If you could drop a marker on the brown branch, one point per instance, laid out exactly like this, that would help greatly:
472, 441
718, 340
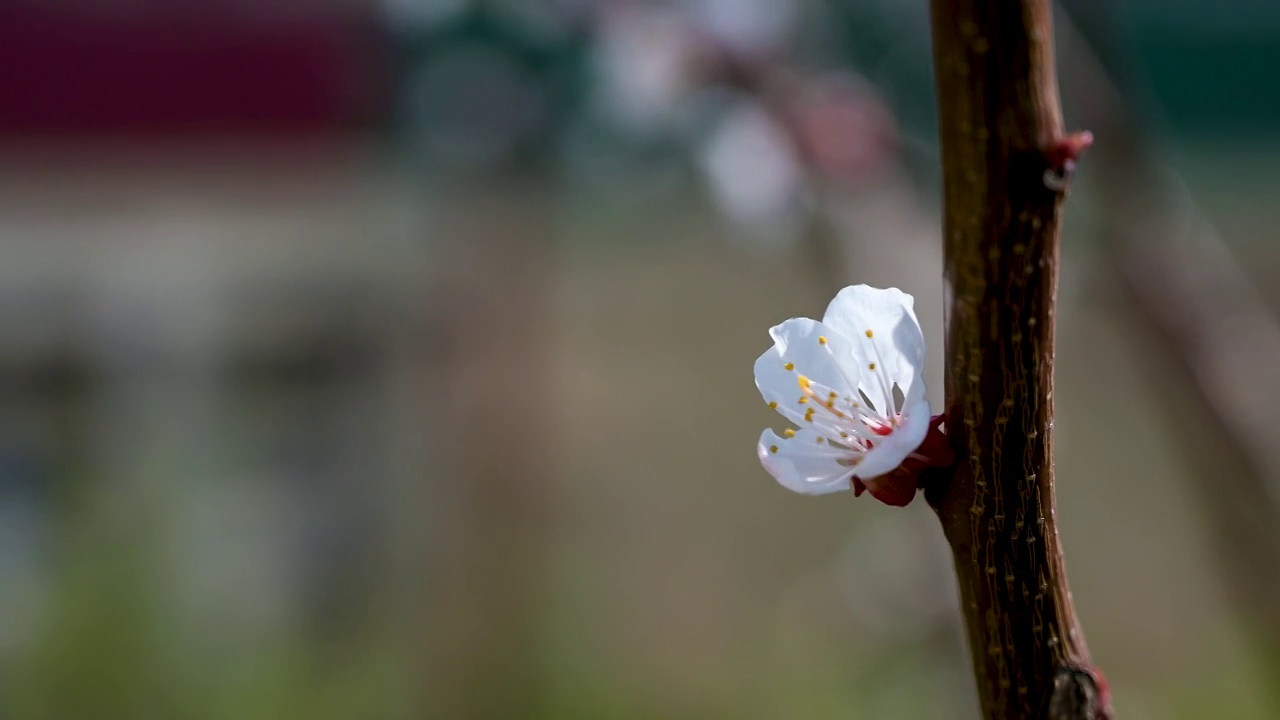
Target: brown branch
1005, 166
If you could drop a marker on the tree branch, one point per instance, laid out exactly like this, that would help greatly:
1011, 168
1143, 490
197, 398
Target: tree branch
1005, 166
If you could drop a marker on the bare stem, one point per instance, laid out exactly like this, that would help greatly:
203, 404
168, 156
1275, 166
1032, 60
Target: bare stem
1006, 165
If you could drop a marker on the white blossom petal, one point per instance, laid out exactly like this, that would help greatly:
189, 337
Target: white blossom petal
886, 334
803, 464
806, 349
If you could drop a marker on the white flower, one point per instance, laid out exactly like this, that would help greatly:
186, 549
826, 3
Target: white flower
853, 384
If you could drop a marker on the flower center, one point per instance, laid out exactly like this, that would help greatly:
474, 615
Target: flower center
853, 426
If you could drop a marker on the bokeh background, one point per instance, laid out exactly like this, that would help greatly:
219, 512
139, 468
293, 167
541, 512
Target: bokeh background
366, 360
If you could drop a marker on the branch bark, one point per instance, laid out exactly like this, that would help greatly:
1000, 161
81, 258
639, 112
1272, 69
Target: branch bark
1005, 167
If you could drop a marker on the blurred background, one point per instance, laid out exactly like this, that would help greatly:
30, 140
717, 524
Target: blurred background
392, 359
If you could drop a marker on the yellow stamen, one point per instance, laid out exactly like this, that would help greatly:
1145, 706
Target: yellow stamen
869, 333
789, 432
790, 366
872, 366
822, 339
773, 448
773, 406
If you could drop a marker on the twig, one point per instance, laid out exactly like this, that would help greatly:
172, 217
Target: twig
1006, 165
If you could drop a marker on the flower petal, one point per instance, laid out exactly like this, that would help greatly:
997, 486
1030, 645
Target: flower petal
802, 464
804, 347
890, 450
882, 325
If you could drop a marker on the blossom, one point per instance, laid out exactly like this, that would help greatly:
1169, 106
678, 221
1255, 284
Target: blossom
853, 385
